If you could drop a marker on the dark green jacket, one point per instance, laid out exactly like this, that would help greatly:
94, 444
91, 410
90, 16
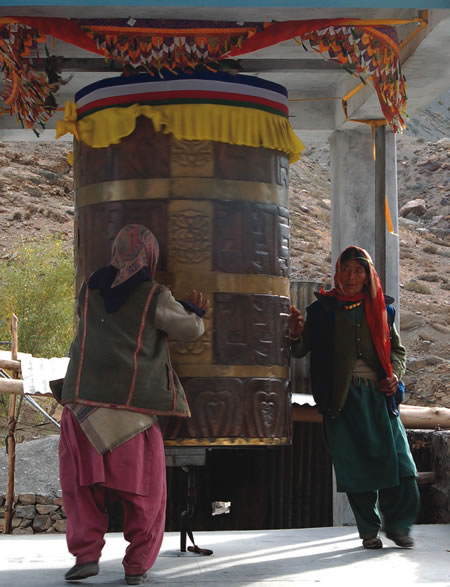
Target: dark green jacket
335, 343
119, 359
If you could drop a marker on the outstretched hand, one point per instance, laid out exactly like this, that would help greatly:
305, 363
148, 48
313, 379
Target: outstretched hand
296, 323
196, 298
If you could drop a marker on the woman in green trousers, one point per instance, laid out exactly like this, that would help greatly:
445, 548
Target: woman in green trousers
357, 360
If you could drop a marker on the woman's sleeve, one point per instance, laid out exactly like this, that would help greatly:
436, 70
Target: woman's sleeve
173, 319
398, 354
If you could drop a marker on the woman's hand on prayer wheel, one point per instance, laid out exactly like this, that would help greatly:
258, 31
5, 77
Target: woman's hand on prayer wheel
296, 323
196, 297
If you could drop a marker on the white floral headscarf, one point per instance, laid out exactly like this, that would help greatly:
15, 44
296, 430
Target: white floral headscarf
134, 247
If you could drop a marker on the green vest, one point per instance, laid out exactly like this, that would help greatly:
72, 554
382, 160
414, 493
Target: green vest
119, 359
349, 341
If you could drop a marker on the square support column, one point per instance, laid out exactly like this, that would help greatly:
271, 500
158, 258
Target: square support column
362, 189
387, 245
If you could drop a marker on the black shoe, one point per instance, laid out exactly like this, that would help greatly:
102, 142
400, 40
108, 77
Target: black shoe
372, 543
136, 579
83, 571
402, 540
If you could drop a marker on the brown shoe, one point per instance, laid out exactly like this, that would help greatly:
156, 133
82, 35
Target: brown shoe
372, 543
83, 571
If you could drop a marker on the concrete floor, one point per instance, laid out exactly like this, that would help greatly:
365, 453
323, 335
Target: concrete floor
305, 557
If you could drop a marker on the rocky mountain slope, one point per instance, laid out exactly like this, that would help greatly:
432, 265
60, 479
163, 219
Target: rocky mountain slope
36, 195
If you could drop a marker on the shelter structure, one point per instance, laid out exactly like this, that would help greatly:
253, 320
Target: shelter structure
352, 77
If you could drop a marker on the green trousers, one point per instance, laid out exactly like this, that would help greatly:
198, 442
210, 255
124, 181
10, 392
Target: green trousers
394, 508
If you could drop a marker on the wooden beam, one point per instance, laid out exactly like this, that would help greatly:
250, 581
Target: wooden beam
306, 414
425, 478
417, 417
9, 365
15, 386
414, 417
99, 65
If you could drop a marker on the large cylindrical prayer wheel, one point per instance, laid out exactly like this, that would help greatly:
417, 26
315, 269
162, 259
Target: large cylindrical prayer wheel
220, 213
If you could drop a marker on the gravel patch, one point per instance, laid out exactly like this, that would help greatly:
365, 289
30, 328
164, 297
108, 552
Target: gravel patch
37, 467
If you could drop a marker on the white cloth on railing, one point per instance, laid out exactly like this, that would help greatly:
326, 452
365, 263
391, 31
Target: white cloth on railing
37, 372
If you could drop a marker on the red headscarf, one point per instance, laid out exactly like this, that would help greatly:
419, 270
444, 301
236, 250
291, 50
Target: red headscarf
374, 304
134, 247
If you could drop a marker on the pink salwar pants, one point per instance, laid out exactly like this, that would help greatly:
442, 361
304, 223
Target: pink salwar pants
85, 505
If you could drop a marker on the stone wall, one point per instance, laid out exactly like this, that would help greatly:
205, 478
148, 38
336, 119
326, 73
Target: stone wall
35, 514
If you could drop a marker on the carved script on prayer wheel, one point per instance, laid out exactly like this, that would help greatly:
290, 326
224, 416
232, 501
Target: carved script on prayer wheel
220, 214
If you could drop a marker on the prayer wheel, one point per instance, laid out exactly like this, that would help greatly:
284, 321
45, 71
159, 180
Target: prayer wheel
202, 161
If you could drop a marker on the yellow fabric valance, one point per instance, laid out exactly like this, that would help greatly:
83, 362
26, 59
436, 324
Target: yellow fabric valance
191, 122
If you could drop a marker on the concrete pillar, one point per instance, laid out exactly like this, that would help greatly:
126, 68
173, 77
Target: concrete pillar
360, 186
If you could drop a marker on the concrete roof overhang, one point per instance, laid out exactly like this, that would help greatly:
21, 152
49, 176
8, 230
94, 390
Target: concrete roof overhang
315, 85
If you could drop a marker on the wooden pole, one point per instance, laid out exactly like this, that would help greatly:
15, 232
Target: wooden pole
11, 438
15, 386
413, 417
417, 417
9, 365
306, 413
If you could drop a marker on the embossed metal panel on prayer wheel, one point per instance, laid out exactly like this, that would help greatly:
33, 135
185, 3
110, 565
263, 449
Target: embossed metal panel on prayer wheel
201, 160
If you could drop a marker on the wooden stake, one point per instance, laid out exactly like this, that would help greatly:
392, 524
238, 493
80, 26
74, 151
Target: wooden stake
9, 364
14, 386
11, 438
